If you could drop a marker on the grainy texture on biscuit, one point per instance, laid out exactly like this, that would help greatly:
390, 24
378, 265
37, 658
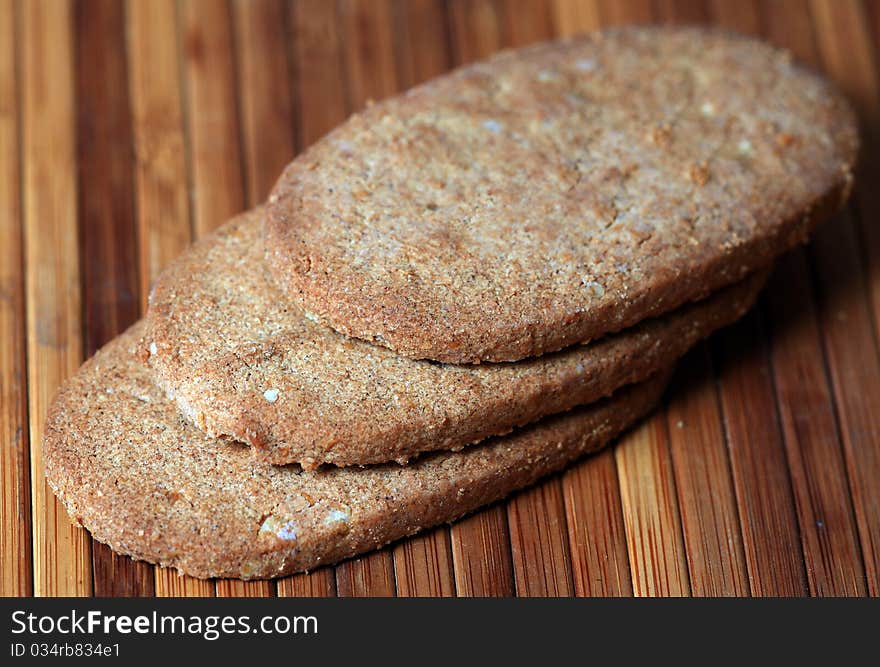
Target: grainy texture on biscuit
144, 481
553, 194
241, 361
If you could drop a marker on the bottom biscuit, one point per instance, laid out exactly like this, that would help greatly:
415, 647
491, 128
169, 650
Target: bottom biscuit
131, 470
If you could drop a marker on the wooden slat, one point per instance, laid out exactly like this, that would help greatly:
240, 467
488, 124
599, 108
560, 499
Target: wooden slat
596, 532
422, 40
371, 575
319, 95
771, 537
265, 90
539, 541
422, 564
108, 238
211, 109
574, 16
162, 204
650, 512
477, 29
742, 16
850, 335
318, 69
481, 554
810, 435
682, 11
61, 552
15, 511
369, 58
614, 12
815, 461
527, 21
317, 583
710, 522
157, 123
849, 54
480, 544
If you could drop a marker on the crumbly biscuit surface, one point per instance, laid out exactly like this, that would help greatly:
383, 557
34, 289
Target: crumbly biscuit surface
553, 194
131, 470
240, 360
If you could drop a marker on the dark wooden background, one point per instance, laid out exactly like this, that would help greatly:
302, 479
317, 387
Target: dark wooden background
127, 129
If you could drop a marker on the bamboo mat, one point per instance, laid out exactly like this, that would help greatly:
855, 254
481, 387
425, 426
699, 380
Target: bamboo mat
128, 129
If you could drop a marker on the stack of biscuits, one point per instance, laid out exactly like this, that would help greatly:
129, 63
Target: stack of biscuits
458, 291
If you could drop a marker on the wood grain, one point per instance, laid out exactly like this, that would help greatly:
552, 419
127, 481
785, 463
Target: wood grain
211, 111
481, 554
422, 40
371, 575
573, 16
596, 532
650, 513
367, 51
539, 542
321, 95
15, 510
682, 11
808, 423
161, 182
131, 128
709, 517
476, 29
849, 53
850, 334
819, 480
770, 534
62, 553
623, 13
265, 88
526, 22
317, 583
423, 565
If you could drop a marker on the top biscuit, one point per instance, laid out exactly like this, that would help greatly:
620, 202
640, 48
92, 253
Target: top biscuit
553, 194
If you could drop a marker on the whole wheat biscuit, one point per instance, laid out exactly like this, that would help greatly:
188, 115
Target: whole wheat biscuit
144, 481
241, 361
556, 193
